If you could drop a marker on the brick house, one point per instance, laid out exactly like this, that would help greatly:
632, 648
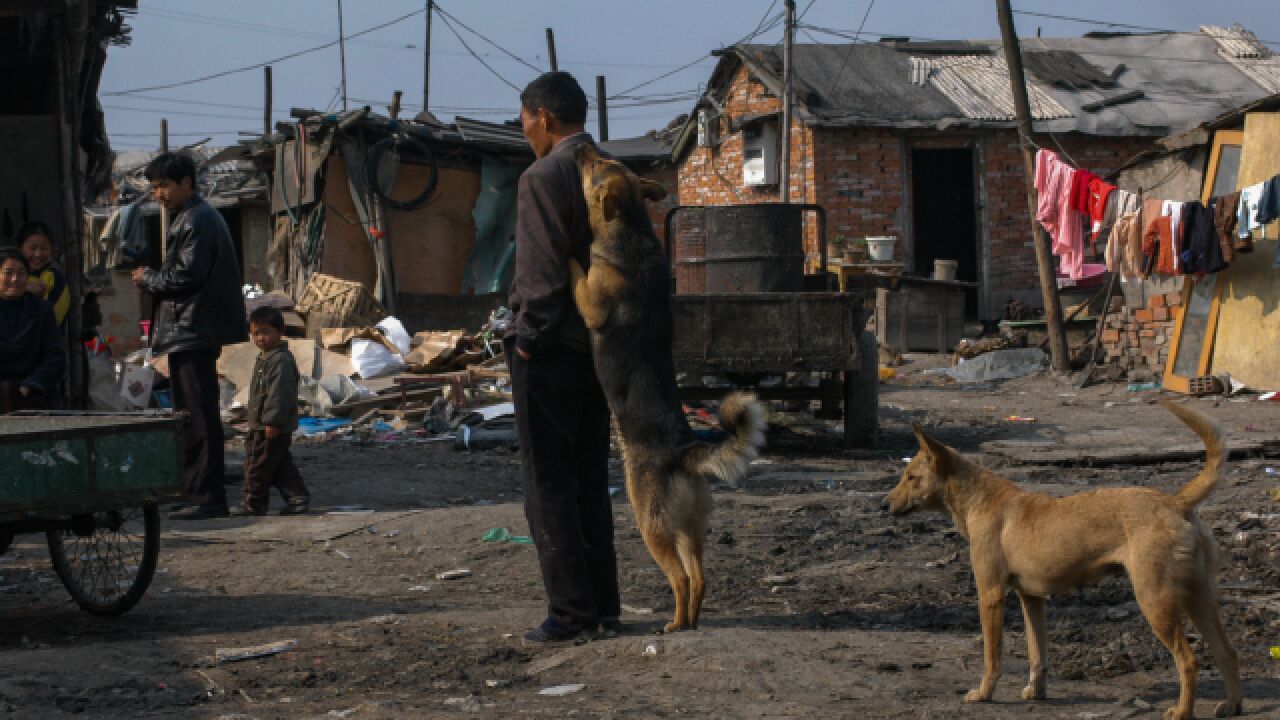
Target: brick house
918, 139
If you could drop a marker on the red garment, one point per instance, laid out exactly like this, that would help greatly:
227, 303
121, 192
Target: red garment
1080, 190
1158, 241
1099, 192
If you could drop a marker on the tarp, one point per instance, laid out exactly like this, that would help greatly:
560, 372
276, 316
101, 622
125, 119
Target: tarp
493, 259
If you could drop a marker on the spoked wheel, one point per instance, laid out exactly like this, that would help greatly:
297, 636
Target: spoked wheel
106, 560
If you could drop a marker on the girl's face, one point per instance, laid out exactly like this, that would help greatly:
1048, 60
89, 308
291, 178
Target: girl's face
13, 279
37, 249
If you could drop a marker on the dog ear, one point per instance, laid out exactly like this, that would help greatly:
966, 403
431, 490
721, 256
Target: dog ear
608, 195
939, 454
651, 190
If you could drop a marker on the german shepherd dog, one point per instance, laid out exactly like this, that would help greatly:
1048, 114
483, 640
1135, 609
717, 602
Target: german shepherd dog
1041, 545
625, 299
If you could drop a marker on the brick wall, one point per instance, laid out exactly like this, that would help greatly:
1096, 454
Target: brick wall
1137, 339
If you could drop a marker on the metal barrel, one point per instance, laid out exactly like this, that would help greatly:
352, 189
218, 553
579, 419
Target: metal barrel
743, 248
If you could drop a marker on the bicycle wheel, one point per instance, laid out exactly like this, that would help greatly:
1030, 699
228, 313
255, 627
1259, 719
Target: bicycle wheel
106, 560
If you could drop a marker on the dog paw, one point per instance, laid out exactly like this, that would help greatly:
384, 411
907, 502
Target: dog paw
1228, 708
1174, 713
976, 695
1031, 692
674, 627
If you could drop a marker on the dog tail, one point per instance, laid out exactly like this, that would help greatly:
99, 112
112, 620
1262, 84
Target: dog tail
1194, 492
743, 417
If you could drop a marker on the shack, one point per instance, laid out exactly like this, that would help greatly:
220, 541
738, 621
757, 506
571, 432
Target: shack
917, 140
54, 150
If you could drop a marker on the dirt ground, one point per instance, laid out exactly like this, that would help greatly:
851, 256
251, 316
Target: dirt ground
819, 604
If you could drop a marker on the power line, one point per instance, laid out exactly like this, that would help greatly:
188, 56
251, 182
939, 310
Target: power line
273, 61
848, 53
190, 113
505, 51
1108, 23
479, 59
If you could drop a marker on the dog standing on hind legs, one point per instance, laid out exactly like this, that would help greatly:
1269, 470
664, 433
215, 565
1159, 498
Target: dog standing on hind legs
625, 299
1041, 545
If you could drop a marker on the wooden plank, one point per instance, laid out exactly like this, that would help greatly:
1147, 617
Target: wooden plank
360, 407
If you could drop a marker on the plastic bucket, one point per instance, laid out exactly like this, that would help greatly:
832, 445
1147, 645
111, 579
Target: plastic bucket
881, 248
944, 269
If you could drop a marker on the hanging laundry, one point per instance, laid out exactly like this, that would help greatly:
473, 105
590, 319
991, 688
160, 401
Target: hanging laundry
1055, 212
1224, 221
1269, 202
1157, 241
1173, 209
1080, 183
1203, 251
1247, 214
1099, 193
1124, 230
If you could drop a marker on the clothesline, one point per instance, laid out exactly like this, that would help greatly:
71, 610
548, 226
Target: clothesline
1145, 235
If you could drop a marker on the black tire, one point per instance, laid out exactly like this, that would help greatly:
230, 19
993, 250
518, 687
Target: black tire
103, 561
375, 158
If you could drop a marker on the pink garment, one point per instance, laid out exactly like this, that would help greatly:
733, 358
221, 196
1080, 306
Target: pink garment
1056, 212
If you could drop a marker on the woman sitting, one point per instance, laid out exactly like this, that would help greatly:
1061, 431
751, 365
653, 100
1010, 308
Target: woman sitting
35, 240
32, 355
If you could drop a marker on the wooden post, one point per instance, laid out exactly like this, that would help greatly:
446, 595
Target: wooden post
164, 211
73, 231
1058, 355
551, 49
602, 110
426, 58
784, 169
266, 101
342, 56
395, 104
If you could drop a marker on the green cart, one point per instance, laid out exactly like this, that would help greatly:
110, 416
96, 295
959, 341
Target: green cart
92, 483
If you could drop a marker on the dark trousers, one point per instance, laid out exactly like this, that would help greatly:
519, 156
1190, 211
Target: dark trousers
12, 399
193, 376
563, 423
269, 464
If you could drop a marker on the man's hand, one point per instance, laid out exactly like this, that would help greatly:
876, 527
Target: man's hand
271, 431
24, 391
138, 275
34, 285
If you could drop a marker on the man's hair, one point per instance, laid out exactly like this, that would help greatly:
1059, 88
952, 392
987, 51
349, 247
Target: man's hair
172, 166
560, 94
33, 228
267, 315
8, 252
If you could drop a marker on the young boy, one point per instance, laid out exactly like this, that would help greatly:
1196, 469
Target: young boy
273, 416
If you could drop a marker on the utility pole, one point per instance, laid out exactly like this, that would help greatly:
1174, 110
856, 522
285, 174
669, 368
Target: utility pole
266, 101
1044, 256
342, 56
426, 57
788, 37
602, 110
164, 211
551, 49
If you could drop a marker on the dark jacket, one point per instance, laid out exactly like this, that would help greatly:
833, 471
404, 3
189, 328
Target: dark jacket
273, 391
551, 227
199, 302
32, 351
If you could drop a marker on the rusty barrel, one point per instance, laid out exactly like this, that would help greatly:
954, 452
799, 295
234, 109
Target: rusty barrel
742, 248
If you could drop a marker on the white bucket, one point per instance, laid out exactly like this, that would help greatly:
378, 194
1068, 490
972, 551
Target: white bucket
881, 247
944, 269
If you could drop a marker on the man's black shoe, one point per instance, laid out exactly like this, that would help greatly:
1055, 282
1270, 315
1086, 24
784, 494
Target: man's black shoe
198, 512
553, 632
610, 628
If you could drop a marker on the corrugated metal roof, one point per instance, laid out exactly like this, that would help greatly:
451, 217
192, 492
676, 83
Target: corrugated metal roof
491, 134
979, 86
1242, 49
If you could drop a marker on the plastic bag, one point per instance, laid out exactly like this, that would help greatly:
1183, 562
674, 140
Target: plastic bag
104, 390
394, 331
373, 359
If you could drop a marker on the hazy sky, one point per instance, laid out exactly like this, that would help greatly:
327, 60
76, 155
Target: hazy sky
176, 41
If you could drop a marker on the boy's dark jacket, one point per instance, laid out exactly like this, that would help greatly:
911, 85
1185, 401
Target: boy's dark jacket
273, 392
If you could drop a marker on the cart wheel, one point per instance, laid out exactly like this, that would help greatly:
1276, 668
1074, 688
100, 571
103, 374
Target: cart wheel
106, 560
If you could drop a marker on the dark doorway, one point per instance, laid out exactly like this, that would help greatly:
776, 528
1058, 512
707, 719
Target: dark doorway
944, 214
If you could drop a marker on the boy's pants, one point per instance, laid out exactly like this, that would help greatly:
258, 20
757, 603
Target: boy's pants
267, 464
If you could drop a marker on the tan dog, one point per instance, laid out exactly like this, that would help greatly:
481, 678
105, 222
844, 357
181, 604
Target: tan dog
625, 299
1041, 545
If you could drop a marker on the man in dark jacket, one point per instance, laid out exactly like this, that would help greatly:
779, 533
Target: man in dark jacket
561, 415
198, 309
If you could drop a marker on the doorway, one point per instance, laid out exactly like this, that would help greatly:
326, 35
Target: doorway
944, 215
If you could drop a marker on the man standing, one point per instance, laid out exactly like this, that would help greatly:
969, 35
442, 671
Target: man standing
561, 415
199, 308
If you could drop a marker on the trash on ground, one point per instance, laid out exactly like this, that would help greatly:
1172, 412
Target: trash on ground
1273, 396
501, 534
651, 649
887, 373
497, 683
558, 690
473, 438
636, 610
342, 554
997, 365
1020, 418
453, 574
419, 588
1275, 652
778, 580
225, 655
1141, 387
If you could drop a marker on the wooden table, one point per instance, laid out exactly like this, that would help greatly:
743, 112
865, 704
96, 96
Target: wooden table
849, 271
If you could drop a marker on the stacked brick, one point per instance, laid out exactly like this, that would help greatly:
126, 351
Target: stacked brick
1137, 339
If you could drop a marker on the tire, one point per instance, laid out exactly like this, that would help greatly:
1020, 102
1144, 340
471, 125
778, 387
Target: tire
103, 561
861, 397
375, 158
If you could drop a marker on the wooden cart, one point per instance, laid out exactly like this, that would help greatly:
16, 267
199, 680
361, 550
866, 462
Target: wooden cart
92, 483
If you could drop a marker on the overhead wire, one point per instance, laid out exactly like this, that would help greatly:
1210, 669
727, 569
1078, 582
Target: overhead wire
1109, 23
479, 59
255, 66
848, 53
505, 51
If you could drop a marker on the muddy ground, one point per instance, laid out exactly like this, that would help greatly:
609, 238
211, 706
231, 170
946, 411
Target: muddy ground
819, 605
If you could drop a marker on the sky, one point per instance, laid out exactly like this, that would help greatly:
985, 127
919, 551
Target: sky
654, 54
